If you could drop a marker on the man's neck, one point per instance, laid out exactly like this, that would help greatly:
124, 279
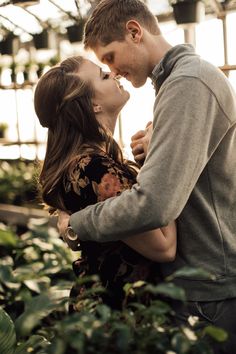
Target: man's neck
158, 47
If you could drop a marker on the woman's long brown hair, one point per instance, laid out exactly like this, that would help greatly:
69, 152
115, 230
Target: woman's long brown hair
63, 104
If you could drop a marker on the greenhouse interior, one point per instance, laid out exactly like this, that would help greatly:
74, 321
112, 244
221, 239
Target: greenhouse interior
50, 303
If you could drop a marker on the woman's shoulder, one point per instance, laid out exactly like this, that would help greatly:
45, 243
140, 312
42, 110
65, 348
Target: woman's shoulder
94, 162
87, 159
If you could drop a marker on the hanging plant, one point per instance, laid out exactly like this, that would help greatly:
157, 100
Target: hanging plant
76, 31
188, 11
41, 40
6, 45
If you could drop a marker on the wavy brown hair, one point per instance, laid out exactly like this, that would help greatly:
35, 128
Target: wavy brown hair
63, 104
107, 22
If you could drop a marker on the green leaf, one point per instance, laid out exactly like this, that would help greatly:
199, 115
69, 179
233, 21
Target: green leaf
104, 312
38, 308
138, 284
180, 343
7, 333
58, 346
189, 272
7, 278
219, 334
123, 335
168, 289
33, 343
37, 285
7, 238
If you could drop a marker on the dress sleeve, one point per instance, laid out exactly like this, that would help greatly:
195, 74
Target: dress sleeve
96, 178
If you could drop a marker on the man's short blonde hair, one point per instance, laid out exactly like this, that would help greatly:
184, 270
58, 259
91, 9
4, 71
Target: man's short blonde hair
107, 22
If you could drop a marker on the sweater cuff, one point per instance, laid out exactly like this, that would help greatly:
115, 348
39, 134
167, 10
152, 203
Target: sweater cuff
78, 227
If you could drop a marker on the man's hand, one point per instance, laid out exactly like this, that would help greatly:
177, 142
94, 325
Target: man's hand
68, 235
139, 143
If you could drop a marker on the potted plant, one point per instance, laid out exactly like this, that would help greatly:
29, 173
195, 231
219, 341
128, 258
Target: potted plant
3, 129
188, 11
7, 47
41, 39
76, 31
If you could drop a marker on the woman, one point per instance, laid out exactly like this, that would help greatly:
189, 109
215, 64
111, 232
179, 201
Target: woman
79, 104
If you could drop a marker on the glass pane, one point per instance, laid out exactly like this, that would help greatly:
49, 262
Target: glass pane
209, 41
231, 29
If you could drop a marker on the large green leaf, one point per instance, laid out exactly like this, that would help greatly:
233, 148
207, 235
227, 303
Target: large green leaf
7, 333
167, 289
219, 334
190, 272
38, 308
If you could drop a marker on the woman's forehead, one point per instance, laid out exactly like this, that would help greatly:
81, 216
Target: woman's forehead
89, 70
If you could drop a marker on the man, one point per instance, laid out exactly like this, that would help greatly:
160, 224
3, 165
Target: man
189, 174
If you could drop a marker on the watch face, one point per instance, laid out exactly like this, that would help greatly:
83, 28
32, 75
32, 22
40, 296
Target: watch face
71, 234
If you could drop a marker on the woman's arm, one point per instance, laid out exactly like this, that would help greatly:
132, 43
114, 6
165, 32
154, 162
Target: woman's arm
158, 245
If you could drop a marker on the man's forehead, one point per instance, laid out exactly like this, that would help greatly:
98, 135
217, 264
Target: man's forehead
102, 51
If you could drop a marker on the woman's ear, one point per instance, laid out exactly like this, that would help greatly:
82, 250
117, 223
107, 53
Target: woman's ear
97, 108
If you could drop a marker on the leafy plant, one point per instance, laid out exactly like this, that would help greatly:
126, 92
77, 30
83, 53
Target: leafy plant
35, 281
18, 182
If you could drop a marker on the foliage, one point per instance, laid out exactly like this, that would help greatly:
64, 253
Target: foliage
18, 182
35, 279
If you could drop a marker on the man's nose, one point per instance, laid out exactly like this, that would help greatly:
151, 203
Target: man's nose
112, 75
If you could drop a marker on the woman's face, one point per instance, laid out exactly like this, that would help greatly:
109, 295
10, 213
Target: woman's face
109, 93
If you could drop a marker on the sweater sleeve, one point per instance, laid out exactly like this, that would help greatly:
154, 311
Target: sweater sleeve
186, 115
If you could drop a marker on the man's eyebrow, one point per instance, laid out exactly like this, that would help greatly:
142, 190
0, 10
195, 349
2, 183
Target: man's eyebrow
105, 55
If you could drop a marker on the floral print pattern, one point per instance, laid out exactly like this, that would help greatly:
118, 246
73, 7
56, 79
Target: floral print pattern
95, 178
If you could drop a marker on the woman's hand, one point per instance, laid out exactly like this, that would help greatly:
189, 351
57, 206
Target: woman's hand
66, 231
62, 222
139, 143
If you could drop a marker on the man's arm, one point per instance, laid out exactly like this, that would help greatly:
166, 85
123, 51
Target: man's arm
158, 245
180, 147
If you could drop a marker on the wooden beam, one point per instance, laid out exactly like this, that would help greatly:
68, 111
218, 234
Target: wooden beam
227, 67
18, 215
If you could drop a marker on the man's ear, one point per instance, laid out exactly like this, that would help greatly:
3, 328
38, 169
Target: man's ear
135, 30
97, 108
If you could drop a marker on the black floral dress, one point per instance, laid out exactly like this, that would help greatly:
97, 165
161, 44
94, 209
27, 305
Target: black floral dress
95, 178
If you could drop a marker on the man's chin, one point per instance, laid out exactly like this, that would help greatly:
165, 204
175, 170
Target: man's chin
138, 84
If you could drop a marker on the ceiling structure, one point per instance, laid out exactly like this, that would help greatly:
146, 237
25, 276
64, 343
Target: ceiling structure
59, 14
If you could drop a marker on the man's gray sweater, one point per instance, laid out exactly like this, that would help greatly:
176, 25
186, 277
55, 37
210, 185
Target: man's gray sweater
189, 175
